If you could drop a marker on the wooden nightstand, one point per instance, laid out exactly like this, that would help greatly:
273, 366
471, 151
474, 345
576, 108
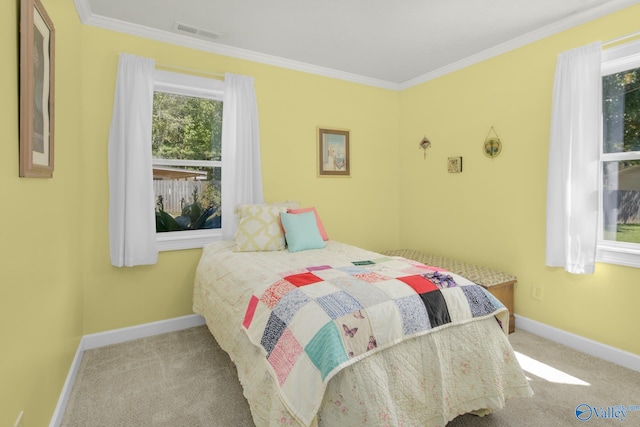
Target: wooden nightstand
500, 284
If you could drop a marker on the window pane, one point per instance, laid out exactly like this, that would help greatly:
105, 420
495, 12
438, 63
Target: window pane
187, 198
621, 201
621, 111
186, 127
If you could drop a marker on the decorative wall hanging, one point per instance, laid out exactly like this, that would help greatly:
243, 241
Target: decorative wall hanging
424, 144
492, 145
36, 90
454, 164
333, 152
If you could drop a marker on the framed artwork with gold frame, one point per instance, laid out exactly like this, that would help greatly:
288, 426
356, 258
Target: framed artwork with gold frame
333, 152
37, 82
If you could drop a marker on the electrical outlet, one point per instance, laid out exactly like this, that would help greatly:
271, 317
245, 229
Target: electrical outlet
18, 422
536, 293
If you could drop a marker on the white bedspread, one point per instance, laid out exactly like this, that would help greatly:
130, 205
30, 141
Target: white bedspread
424, 381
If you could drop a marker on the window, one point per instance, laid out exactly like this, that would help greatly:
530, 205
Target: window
619, 223
187, 159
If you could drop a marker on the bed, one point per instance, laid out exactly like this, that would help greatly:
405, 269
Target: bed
424, 379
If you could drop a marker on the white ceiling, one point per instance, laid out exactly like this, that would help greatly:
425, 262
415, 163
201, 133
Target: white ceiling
386, 43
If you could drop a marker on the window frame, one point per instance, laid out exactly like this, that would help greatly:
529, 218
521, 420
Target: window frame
615, 60
201, 87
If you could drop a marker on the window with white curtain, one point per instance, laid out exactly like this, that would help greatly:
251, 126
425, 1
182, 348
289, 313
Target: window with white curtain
187, 159
619, 219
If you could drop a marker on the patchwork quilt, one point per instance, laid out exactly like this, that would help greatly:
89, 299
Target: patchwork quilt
317, 320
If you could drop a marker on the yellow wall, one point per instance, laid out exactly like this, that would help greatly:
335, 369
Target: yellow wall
291, 105
494, 212
56, 282
40, 244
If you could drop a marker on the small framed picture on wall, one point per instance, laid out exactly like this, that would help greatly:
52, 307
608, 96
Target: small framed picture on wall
454, 165
333, 152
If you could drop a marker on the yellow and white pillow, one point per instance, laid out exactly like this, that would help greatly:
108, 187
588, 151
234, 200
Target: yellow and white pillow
259, 228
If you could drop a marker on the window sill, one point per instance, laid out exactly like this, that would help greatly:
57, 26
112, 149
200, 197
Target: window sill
179, 240
619, 253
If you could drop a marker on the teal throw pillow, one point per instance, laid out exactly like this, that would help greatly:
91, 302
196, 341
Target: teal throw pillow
301, 231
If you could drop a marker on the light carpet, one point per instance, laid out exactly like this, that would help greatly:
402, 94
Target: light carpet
184, 379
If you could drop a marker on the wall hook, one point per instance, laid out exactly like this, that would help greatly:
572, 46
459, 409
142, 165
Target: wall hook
424, 144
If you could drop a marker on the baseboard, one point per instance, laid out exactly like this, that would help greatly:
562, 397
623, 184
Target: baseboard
585, 345
58, 413
116, 336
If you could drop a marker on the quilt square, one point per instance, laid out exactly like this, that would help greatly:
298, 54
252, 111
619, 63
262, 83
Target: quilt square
497, 304
436, 307
352, 269
330, 274
338, 304
319, 289
259, 319
372, 277
251, 309
366, 294
284, 355
326, 350
420, 284
386, 270
273, 293
303, 374
308, 321
414, 315
302, 279
289, 305
366, 262
386, 323
272, 332
347, 281
319, 268
441, 279
457, 303
478, 301
356, 333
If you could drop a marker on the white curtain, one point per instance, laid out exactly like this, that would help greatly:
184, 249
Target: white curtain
574, 149
241, 173
132, 231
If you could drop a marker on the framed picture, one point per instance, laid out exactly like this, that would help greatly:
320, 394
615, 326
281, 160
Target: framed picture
454, 165
37, 41
333, 152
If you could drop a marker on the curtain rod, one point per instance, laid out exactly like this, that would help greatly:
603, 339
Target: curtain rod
189, 70
619, 39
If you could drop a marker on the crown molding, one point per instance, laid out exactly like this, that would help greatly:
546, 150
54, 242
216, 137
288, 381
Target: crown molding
533, 36
87, 17
83, 9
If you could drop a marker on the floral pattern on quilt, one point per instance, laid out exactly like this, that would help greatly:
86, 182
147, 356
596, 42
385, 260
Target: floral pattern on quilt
314, 322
